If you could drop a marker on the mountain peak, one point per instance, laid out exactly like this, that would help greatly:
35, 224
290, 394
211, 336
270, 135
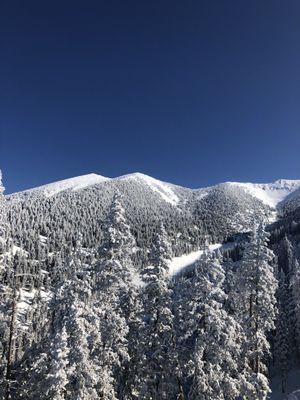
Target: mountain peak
76, 183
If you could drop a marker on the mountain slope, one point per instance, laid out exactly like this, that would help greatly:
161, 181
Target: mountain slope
58, 229
191, 216
271, 194
77, 183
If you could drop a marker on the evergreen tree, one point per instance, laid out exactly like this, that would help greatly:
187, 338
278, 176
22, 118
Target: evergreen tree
281, 342
295, 287
53, 386
256, 288
116, 288
8, 296
3, 224
218, 336
3, 325
157, 360
82, 370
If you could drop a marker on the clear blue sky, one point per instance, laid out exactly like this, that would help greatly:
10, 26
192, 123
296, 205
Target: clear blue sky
192, 92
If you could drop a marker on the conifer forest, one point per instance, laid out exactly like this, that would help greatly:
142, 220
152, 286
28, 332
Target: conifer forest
136, 289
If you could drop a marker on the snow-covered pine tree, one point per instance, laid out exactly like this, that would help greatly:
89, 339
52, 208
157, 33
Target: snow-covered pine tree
157, 363
53, 386
3, 223
218, 336
184, 323
83, 371
8, 303
115, 257
256, 304
281, 340
3, 294
295, 287
116, 286
62, 365
57, 378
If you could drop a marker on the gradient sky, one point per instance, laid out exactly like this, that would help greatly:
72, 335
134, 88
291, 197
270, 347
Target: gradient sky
192, 92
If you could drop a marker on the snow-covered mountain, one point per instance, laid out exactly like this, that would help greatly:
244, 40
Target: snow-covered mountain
58, 231
76, 183
271, 194
189, 215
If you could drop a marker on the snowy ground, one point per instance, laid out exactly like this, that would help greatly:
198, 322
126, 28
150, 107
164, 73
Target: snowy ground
177, 264
24, 305
292, 389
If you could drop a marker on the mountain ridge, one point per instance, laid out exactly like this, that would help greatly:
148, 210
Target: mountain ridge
271, 194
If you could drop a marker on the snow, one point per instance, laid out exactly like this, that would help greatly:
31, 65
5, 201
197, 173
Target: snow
292, 388
270, 194
43, 239
16, 249
77, 183
13, 251
177, 264
163, 189
294, 396
24, 305
159, 187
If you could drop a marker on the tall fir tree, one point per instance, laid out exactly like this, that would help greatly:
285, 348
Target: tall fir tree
3, 290
281, 341
256, 288
295, 287
117, 284
157, 364
218, 337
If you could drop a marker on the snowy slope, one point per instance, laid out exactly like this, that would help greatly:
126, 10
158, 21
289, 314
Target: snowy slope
270, 194
164, 190
178, 264
77, 183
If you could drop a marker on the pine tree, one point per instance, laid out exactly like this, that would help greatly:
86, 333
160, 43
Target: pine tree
256, 288
218, 336
116, 283
83, 370
281, 342
295, 287
157, 361
54, 369
3, 224
3, 324
8, 298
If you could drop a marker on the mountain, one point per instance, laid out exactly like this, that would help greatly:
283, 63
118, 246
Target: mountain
133, 244
191, 216
270, 194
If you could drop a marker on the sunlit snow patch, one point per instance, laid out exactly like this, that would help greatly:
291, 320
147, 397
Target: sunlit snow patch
77, 183
177, 264
24, 305
270, 194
